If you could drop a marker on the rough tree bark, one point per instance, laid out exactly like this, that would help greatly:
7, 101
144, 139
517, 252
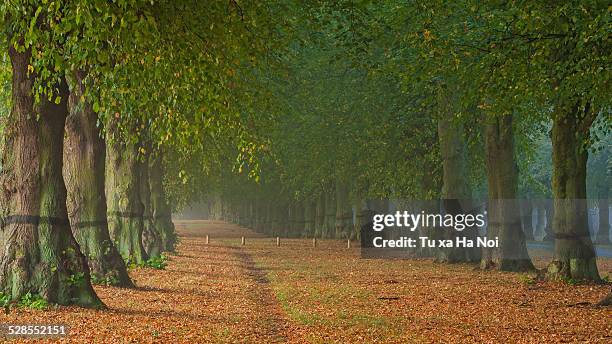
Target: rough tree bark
456, 190
151, 239
125, 209
39, 255
574, 252
84, 157
162, 212
504, 218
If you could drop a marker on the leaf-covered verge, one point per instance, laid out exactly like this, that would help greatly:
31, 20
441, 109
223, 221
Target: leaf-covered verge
223, 292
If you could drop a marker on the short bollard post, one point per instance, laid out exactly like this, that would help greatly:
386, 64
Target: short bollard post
277, 241
207, 240
314, 242
242, 241
348, 243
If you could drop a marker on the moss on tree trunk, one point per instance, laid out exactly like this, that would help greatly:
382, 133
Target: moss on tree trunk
504, 217
151, 238
574, 252
39, 253
125, 208
84, 157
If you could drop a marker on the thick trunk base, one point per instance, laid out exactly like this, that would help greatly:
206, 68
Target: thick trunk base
165, 227
83, 171
127, 235
151, 241
105, 263
38, 253
578, 269
523, 265
45, 260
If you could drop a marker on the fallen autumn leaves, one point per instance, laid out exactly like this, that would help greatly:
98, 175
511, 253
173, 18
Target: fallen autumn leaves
222, 292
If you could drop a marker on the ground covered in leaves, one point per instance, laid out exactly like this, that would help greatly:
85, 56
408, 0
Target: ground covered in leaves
258, 293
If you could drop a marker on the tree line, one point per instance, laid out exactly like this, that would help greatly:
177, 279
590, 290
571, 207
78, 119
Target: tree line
289, 115
437, 101
103, 102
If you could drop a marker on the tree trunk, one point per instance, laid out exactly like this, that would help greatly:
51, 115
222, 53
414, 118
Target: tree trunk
430, 183
39, 254
284, 219
298, 219
360, 217
541, 207
151, 239
161, 210
269, 220
277, 219
456, 191
550, 214
84, 157
504, 220
309, 218
125, 208
251, 214
603, 235
527, 218
574, 252
258, 215
344, 213
319, 224
330, 215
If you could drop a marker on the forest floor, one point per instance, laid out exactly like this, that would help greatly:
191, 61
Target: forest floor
260, 293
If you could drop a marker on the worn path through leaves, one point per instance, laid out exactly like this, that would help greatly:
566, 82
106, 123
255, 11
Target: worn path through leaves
207, 293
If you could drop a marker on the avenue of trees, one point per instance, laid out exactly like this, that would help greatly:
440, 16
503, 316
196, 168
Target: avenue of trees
294, 118
443, 100
101, 101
